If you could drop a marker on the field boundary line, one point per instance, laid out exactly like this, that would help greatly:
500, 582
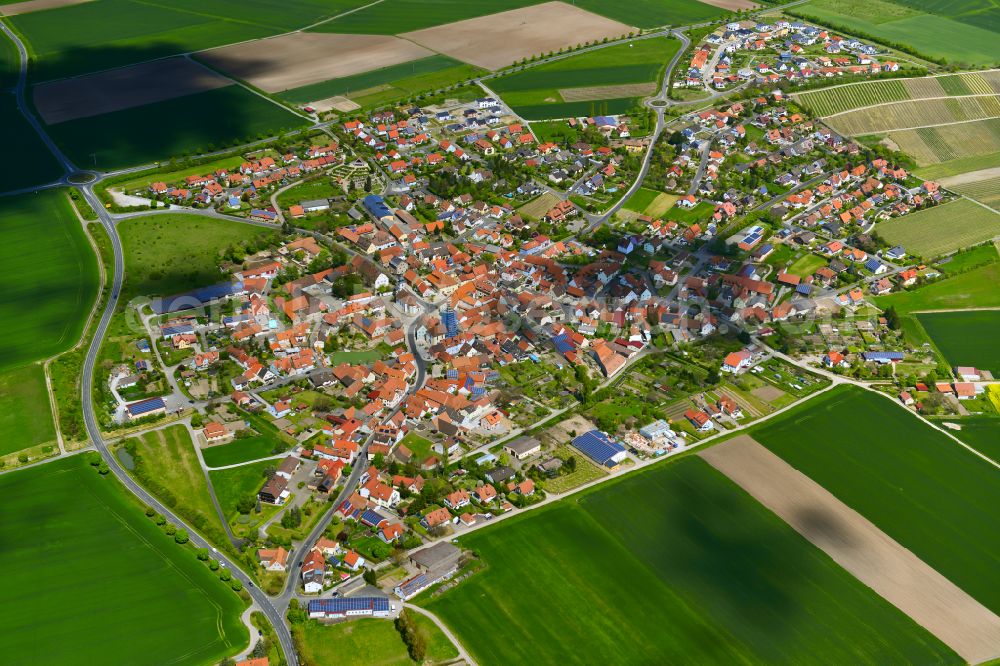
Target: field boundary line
898, 78
912, 100
902, 129
861, 547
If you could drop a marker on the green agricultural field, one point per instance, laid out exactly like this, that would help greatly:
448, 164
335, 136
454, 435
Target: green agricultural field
169, 254
240, 450
233, 484
53, 277
709, 576
367, 641
94, 36
133, 590
377, 77
981, 433
411, 86
909, 24
10, 63
932, 496
535, 93
941, 229
36, 165
26, 418
966, 338
972, 289
192, 124
166, 463
960, 165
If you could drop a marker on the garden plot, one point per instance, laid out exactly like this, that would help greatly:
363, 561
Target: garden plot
301, 58
499, 40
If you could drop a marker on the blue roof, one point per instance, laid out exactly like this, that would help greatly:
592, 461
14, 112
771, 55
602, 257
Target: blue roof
883, 356
345, 604
873, 264
562, 343
804, 289
371, 517
376, 206
598, 447
146, 406
196, 297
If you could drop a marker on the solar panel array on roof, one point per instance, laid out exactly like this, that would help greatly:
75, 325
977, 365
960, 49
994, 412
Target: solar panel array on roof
883, 356
408, 588
599, 448
562, 343
146, 406
343, 605
372, 518
196, 297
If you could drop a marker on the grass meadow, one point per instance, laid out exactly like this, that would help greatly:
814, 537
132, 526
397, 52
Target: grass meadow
187, 125
675, 564
239, 451
97, 582
168, 466
535, 92
920, 488
231, 485
26, 418
975, 288
367, 641
53, 277
35, 164
171, 253
966, 338
942, 229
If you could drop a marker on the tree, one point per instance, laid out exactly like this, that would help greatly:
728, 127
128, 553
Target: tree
202, 554
224, 575
236, 585
181, 537
213, 565
370, 577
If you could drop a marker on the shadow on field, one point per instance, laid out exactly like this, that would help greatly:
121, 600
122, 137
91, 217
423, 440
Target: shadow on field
819, 524
190, 124
705, 538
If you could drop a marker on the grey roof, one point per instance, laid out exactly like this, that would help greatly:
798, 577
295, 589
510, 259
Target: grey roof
442, 555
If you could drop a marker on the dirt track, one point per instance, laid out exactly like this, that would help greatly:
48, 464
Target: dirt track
970, 177
608, 92
123, 88
29, 6
498, 40
899, 576
297, 59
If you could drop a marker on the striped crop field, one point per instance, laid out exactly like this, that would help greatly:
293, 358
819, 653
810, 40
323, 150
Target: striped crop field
933, 145
941, 229
844, 98
987, 191
914, 114
933, 86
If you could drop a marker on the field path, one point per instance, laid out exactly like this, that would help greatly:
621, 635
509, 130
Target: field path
896, 574
971, 177
462, 652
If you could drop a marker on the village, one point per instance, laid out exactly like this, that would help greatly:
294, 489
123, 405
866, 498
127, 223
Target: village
469, 323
